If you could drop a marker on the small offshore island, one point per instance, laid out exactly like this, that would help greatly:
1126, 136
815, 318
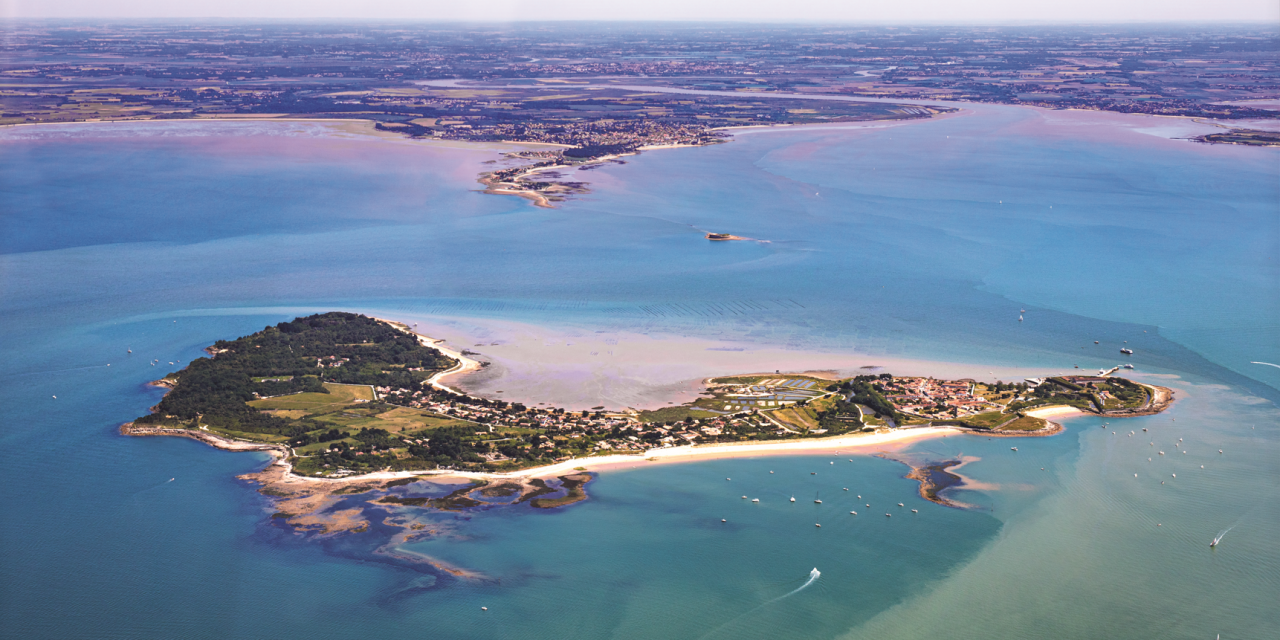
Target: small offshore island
349, 404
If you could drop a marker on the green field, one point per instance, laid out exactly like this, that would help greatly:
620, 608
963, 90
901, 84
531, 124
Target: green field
392, 419
339, 394
988, 420
349, 408
674, 414
802, 418
1025, 423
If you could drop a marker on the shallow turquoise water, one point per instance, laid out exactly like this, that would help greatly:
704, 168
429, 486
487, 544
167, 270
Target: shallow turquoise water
892, 241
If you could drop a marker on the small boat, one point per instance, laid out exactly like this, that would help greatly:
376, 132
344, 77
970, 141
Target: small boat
744, 497
1013, 448
723, 520
888, 515
813, 473
793, 498
1127, 352
755, 499
846, 488
901, 505
1095, 342
817, 525
131, 351
915, 511
1128, 366
853, 513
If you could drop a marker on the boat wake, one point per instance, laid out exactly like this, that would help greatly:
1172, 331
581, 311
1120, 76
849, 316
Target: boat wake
1221, 534
813, 577
1268, 364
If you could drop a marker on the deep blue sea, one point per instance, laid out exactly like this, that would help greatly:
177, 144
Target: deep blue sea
912, 242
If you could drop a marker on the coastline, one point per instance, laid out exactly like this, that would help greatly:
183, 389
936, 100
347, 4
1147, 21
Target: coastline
310, 505
306, 503
1162, 397
686, 453
465, 364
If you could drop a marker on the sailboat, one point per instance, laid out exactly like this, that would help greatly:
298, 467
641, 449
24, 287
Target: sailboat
815, 498
1019, 318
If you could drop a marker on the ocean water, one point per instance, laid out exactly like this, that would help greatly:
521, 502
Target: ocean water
912, 242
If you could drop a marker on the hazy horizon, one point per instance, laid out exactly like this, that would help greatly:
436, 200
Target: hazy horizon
751, 11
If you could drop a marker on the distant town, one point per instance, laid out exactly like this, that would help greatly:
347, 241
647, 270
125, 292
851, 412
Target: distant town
588, 94
69, 71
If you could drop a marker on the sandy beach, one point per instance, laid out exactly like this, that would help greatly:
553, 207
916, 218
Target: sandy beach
280, 471
857, 444
1054, 411
465, 364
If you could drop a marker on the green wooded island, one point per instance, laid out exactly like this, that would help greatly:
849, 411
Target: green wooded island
344, 394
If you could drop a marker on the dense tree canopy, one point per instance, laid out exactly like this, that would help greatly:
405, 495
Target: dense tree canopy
292, 357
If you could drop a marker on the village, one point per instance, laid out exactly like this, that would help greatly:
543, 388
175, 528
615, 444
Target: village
736, 409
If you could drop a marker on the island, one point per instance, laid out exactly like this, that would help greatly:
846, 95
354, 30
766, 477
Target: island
1247, 137
351, 405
